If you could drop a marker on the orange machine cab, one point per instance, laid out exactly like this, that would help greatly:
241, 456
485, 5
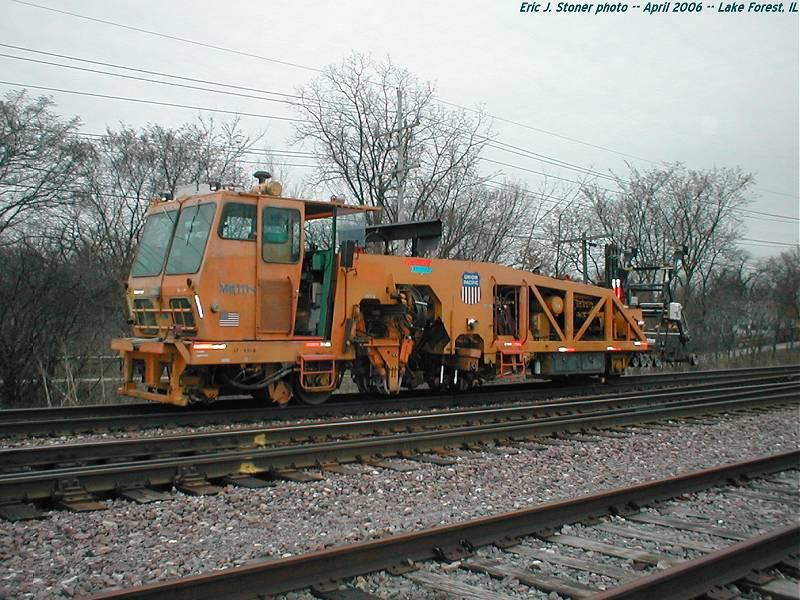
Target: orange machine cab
252, 293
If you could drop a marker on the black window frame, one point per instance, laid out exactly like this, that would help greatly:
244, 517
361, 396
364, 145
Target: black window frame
172, 215
297, 241
222, 222
205, 244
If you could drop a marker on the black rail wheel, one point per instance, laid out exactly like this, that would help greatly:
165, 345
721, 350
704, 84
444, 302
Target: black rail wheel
312, 398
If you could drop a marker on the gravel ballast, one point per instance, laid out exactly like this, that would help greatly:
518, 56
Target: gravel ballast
74, 554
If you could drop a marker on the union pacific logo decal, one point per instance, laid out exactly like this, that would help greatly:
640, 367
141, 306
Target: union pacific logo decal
420, 265
471, 288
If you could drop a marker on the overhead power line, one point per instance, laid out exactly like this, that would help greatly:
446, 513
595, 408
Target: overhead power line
504, 164
516, 150
761, 189
261, 164
493, 143
312, 69
290, 119
313, 155
318, 70
771, 242
741, 210
168, 37
551, 133
147, 79
149, 71
284, 97
742, 241
502, 146
268, 153
154, 102
288, 154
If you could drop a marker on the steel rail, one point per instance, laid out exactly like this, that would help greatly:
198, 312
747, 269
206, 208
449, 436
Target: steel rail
52, 421
297, 572
40, 485
690, 579
107, 450
14, 415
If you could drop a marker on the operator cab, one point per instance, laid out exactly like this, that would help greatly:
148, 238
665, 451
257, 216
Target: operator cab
317, 273
235, 265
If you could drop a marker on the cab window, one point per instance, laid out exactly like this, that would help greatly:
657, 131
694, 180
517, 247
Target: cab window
280, 235
191, 234
153, 246
238, 222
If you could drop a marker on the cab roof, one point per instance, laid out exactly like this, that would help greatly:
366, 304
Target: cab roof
319, 209
314, 209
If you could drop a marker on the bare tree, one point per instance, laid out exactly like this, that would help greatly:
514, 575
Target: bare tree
663, 209
71, 212
39, 157
221, 150
734, 315
538, 249
56, 310
354, 123
132, 166
780, 294
750, 309
488, 224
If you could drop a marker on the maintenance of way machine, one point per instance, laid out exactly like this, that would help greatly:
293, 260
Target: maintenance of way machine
250, 292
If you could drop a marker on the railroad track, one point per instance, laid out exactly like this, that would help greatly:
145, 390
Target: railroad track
137, 416
137, 468
38, 457
682, 553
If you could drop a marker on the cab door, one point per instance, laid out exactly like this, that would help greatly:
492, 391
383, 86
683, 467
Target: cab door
280, 258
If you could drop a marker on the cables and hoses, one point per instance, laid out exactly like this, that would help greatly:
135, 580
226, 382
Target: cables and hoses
253, 379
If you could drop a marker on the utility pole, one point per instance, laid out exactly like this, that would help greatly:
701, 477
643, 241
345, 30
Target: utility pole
585, 252
401, 169
402, 147
558, 246
586, 243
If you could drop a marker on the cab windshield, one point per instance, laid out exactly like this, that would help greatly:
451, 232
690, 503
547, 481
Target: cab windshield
191, 235
154, 243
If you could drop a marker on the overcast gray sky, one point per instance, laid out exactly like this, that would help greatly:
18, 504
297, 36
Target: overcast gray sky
706, 89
